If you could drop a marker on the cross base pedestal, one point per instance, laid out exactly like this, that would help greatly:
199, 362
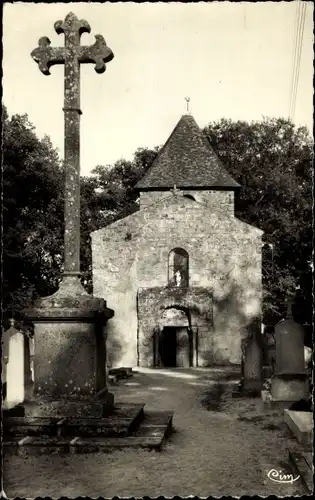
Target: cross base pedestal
99, 406
69, 343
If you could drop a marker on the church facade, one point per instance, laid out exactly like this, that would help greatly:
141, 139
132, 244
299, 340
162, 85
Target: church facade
182, 274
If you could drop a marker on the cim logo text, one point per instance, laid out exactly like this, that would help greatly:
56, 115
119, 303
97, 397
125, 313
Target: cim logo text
279, 477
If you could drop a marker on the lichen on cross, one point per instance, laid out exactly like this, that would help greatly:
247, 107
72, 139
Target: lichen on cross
72, 52
72, 55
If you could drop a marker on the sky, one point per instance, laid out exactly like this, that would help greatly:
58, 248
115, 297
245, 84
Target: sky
233, 60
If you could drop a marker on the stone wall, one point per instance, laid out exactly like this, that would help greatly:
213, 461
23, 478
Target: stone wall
218, 200
224, 255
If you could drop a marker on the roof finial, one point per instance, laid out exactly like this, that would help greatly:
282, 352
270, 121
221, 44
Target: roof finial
12, 322
175, 191
187, 99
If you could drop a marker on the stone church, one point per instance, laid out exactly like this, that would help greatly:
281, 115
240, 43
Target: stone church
182, 274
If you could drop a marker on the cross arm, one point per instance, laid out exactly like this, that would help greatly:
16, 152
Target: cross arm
47, 56
98, 53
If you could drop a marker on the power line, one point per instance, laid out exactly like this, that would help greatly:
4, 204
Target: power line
297, 50
299, 58
294, 52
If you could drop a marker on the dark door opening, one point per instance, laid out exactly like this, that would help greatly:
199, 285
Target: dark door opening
168, 347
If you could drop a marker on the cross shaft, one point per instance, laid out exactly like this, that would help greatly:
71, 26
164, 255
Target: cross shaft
72, 55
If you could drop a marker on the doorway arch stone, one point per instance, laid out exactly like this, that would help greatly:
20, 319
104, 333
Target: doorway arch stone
160, 307
174, 316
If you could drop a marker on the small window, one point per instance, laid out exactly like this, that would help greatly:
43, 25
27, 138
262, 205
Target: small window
178, 268
189, 196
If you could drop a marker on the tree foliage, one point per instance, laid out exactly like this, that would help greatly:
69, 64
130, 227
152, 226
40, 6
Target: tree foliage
32, 215
271, 159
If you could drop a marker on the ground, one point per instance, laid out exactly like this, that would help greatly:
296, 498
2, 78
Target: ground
221, 446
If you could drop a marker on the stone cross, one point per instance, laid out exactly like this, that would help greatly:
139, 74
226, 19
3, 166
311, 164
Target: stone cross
175, 191
72, 55
187, 99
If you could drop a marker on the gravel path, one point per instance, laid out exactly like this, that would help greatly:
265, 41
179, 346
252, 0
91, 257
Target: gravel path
221, 446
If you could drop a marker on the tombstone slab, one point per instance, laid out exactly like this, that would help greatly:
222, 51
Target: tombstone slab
290, 381
289, 388
14, 366
253, 364
301, 425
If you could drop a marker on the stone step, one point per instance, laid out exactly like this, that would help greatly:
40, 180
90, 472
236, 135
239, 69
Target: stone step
122, 422
96, 445
36, 445
156, 419
31, 426
124, 419
123, 409
152, 432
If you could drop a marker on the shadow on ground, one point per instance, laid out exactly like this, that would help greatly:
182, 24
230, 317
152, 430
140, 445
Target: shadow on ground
222, 446
211, 399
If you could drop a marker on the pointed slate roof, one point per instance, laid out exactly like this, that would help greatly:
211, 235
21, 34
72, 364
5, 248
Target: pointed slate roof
187, 160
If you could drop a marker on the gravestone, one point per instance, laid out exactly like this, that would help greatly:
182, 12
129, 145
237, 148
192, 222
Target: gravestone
14, 366
253, 364
307, 356
289, 382
4, 360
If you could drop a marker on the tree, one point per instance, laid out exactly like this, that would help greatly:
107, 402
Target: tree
32, 215
115, 184
272, 160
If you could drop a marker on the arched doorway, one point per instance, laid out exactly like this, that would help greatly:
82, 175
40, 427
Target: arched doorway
175, 339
